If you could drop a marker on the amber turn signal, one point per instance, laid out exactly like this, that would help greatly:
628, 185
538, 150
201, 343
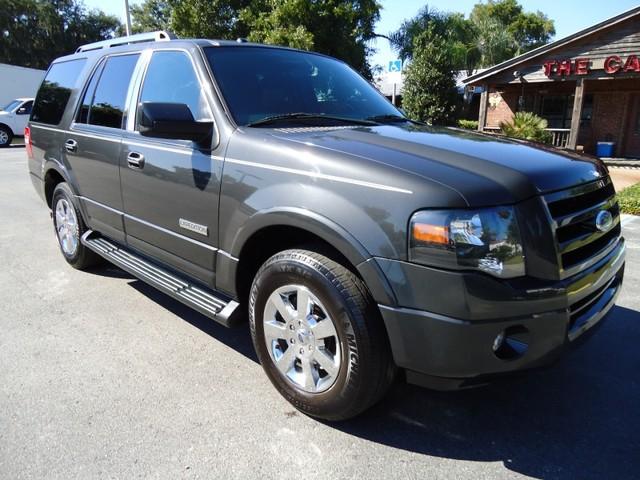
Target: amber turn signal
427, 233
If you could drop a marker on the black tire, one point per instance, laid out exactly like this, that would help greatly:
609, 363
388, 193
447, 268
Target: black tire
81, 257
9, 137
366, 370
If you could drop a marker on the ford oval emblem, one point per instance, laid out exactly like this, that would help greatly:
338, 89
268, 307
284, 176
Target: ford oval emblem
604, 220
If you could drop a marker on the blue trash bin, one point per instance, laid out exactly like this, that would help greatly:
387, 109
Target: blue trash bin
605, 149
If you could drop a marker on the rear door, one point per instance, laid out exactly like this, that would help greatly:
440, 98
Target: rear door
92, 145
170, 188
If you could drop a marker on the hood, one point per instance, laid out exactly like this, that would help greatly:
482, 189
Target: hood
484, 169
4, 112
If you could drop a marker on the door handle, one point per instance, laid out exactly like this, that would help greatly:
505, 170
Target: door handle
135, 160
71, 145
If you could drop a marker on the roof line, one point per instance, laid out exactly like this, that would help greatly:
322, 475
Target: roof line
553, 45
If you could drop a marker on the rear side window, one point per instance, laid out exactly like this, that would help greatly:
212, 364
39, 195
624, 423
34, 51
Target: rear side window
170, 78
104, 100
55, 91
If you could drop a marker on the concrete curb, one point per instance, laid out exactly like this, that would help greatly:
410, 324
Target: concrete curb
622, 163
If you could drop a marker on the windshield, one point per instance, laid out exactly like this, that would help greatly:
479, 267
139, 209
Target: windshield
11, 105
258, 83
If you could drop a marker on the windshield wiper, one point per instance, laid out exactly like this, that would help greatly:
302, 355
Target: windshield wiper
388, 118
312, 116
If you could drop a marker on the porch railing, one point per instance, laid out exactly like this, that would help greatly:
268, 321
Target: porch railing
559, 136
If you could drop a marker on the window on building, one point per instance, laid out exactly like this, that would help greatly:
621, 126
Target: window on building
526, 103
587, 110
557, 110
171, 78
55, 91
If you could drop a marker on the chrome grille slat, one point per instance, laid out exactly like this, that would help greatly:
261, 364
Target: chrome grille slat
585, 239
573, 212
584, 214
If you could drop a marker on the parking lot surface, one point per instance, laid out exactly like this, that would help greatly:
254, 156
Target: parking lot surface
103, 377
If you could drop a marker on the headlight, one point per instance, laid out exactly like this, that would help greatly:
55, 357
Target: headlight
487, 240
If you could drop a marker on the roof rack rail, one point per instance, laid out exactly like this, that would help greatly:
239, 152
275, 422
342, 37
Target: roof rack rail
159, 36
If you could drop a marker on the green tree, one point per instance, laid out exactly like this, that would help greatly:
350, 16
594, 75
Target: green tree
527, 30
429, 92
150, 16
34, 32
495, 31
459, 31
340, 28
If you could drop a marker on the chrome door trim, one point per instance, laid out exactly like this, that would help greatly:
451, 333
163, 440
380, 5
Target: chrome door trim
149, 224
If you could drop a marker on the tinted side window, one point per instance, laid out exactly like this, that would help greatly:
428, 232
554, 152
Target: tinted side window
108, 104
85, 106
171, 78
55, 91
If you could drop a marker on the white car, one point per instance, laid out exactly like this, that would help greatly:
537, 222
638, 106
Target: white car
13, 119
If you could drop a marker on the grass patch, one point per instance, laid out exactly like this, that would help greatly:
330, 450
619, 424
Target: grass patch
629, 199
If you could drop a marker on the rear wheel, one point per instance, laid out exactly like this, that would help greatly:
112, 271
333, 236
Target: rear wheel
69, 228
6, 136
319, 335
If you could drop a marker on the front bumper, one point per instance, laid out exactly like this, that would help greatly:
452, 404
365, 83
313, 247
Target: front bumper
547, 317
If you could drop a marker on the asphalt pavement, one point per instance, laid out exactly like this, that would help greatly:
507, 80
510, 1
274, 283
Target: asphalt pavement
103, 377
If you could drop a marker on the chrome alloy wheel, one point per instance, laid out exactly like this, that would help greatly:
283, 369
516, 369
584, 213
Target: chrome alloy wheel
301, 338
4, 137
67, 226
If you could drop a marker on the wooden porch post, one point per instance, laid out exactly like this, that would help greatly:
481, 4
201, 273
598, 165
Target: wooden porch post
576, 115
484, 102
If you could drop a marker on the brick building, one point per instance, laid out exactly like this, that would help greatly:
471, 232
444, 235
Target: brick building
587, 86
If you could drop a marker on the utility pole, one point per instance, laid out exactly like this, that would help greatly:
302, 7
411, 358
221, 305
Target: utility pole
127, 17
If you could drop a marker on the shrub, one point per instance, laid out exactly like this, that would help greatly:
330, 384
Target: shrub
527, 126
629, 200
429, 92
468, 124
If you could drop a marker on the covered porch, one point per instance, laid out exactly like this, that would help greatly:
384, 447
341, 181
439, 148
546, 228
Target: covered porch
580, 113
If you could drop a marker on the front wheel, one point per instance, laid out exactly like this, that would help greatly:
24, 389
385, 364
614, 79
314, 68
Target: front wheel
319, 335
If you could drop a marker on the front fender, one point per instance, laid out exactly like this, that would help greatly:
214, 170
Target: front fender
318, 225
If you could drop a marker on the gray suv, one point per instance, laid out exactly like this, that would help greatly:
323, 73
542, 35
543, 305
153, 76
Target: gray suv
238, 178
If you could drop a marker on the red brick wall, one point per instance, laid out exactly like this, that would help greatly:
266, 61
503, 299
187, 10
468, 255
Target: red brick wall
608, 122
502, 105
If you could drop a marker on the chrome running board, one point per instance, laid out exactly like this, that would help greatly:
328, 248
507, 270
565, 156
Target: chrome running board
202, 299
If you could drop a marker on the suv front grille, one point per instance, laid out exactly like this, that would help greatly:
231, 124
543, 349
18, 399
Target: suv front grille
574, 211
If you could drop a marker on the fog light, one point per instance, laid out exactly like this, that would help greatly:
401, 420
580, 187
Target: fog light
511, 343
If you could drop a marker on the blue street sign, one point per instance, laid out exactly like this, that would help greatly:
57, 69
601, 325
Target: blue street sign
395, 66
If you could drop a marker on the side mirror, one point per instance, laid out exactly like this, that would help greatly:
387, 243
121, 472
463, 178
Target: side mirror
172, 120
21, 111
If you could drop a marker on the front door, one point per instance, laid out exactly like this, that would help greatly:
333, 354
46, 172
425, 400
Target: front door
632, 147
170, 188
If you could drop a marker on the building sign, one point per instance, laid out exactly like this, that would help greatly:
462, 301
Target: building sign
583, 66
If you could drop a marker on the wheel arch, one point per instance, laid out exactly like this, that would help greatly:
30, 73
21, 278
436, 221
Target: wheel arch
277, 229
8, 127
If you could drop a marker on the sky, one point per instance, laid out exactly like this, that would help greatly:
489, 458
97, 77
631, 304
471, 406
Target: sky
570, 16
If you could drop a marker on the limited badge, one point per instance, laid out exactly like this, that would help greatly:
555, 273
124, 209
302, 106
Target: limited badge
193, 227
